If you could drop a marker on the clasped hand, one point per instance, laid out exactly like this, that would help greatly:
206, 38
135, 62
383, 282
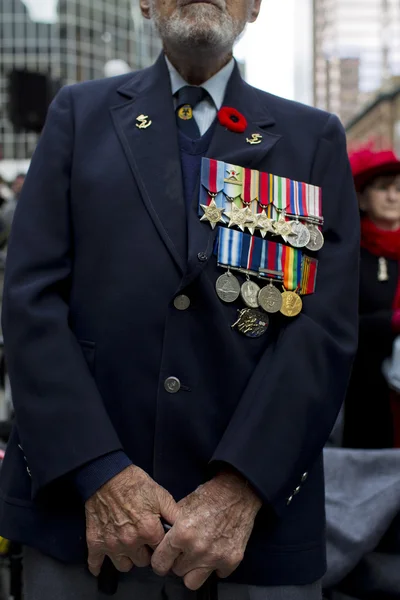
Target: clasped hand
210, 527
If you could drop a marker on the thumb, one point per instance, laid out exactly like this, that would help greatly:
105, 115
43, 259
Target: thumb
168, 508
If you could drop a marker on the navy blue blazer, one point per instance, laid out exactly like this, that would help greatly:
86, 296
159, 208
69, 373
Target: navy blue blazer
101, 245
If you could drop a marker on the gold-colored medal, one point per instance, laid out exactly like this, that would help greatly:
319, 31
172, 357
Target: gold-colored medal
292, 304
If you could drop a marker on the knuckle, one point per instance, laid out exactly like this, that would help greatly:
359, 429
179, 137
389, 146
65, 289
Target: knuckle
124, 564
151, 532
93, 541
112, 545
199, 546
234, 559
184, 535
141, 558
127, 540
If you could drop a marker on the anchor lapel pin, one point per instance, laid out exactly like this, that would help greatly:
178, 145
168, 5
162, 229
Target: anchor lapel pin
256, 138
143, 122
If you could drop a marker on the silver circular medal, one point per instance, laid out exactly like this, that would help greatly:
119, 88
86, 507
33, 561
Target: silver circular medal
301, 236
270, 299
228, 287
316, 239
249, 292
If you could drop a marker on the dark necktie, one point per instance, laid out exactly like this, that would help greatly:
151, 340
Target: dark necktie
188, 98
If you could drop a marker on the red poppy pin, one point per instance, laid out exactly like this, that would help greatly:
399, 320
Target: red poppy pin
232, 119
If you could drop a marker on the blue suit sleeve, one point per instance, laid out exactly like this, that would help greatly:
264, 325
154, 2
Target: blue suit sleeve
94, 475
291, 402
53, 389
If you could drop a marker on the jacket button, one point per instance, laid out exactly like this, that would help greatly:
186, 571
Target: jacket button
289, 500
296, 491
304, 477
202, 256
182, 302
172, 385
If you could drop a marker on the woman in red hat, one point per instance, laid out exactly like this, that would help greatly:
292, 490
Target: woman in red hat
370, 412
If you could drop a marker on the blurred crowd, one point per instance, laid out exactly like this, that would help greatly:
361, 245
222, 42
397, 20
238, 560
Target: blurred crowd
9, 194
362, 459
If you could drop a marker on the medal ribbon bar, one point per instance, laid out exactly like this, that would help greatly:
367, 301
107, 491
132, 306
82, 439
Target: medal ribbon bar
273, 193
267, 260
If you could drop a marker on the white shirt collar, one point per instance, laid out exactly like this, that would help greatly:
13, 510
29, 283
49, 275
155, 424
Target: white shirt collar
215, 86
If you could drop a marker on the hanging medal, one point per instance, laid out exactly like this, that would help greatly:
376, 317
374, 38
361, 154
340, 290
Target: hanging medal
252, 323
316, 238
212, 200
305, 202
264, 220
250, 261
270, 298
292, 304
249, 293
292, 198
229, 256
227, 287
301, 235
249, 197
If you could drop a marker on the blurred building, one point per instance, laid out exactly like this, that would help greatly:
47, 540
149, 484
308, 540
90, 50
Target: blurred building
379, 121
356, 50
80, 37
303, 51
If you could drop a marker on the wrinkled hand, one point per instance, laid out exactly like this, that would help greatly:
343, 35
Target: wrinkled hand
211, 531
123, 520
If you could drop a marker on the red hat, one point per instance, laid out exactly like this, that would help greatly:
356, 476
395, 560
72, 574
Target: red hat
367, 164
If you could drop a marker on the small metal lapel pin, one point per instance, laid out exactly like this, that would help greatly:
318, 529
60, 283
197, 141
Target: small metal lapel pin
256, 138
143, 122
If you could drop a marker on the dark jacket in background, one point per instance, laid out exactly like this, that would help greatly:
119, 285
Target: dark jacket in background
368, 420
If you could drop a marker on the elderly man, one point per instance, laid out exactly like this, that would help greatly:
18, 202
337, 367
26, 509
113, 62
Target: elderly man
176, 369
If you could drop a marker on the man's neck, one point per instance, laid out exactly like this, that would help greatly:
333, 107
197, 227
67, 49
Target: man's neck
196, 73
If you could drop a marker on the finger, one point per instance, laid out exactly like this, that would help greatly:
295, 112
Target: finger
151, 532
168, 507
187, 562
229, 565
196, 578
141, 557
122, 563
164, 556
95, 561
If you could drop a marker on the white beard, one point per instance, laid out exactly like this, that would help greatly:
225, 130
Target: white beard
198, 27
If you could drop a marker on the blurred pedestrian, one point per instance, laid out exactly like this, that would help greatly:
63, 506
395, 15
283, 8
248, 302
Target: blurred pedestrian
17, 185
8, 210
368, 419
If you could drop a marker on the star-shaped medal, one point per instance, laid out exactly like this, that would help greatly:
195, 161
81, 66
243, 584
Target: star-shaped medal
264, 223
282, 227
239, 216
251, 223
212, 214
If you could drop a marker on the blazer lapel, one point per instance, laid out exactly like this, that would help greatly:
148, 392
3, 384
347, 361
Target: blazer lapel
232, 148
153, 153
